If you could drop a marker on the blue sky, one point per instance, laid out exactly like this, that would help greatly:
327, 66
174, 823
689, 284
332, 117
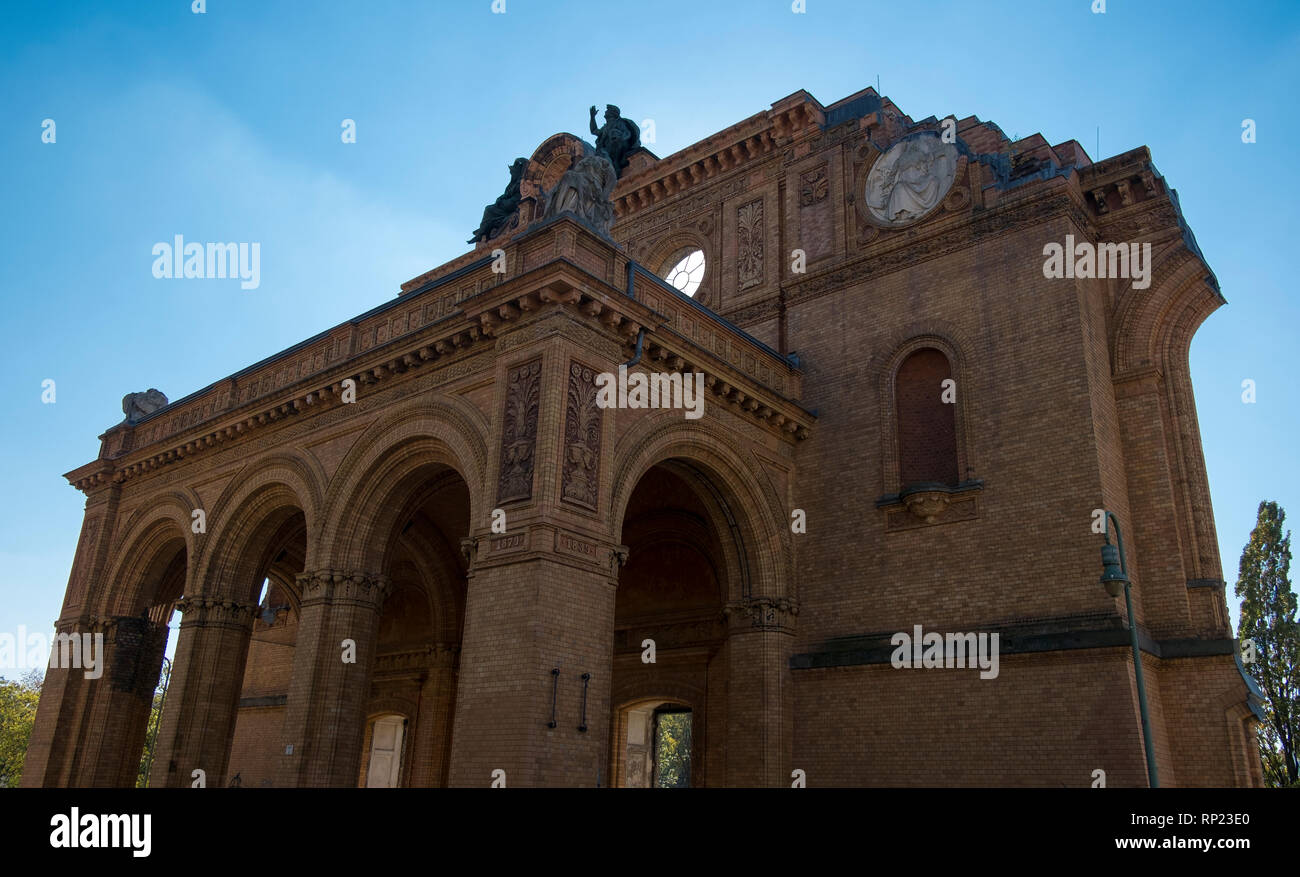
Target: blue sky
225, 126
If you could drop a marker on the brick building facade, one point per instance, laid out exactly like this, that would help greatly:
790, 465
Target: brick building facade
906, 422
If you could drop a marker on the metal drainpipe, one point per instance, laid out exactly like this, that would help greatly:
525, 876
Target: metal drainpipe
631, 293
640, 337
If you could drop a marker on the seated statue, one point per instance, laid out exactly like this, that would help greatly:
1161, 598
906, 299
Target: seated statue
498, 212
584, 191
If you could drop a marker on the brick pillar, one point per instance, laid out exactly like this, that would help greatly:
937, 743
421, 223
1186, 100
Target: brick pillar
1151, 536
325, 719
759, 692
65, 696
522, 619
112, 739
198, 720
435, 719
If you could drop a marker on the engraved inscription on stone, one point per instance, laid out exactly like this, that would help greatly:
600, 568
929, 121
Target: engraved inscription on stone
506, 543
575, 546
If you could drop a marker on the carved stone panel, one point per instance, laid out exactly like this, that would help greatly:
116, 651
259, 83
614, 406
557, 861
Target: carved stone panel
519, 431
814, 212
581, 439
910, 180
749, 238
813, 186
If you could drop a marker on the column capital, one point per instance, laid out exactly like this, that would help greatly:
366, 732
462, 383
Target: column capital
204, 609
342, 586
762, 613
617, 558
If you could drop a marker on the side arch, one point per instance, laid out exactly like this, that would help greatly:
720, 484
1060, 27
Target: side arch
739, 491
144, 544
261, 498
394, 452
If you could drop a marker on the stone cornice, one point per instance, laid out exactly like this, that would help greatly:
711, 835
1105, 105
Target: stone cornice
757, 138
555, 280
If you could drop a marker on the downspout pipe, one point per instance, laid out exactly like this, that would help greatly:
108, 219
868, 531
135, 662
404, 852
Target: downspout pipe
640, 339
631, 293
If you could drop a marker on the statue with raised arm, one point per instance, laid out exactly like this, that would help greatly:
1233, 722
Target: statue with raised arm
498, 212
616, 138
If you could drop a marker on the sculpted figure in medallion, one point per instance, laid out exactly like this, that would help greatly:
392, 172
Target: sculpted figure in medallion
910, 179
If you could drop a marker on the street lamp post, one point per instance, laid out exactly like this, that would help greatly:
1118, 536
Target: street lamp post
1114, 575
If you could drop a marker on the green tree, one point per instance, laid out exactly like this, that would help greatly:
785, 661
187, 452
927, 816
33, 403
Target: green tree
155, 722
674, 755
1268, 620
17, 715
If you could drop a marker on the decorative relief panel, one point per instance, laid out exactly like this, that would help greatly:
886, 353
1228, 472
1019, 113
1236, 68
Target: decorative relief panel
813, 186
749, 241
910, 180
581, 438
815, 225
519, 431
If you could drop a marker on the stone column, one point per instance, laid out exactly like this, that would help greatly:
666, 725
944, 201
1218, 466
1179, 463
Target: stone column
759, 693
108, 703
118, 716
436, 713
324, 724
198, 720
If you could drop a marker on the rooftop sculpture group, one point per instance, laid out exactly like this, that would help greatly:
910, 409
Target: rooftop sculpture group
585, 188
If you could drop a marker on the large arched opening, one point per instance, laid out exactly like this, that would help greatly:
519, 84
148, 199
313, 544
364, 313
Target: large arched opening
686, 548
410, 706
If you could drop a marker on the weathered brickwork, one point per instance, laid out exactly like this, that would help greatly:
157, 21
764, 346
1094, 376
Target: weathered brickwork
469, 562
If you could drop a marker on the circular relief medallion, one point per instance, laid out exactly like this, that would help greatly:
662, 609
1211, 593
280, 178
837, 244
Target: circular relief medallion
910, 180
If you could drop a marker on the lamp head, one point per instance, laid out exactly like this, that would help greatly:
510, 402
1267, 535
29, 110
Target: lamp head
1112, 575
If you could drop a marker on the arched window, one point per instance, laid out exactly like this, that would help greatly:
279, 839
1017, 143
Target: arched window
927, 420
685, 270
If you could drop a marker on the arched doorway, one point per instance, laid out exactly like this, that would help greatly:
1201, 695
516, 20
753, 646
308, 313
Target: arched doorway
410, 705
669, 633
268, 668
655, 745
